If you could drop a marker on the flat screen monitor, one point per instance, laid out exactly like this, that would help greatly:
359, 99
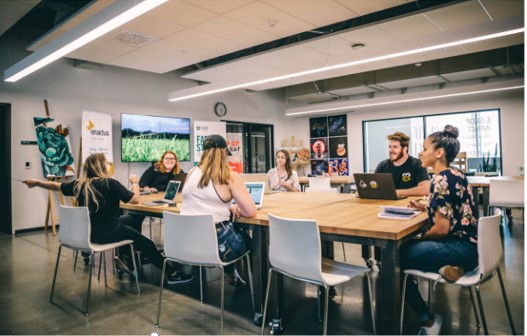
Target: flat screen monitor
145, 138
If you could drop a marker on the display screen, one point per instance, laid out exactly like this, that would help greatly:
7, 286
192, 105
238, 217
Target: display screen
145, 138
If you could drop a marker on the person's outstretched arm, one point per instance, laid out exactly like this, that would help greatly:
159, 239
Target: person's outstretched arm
49, 185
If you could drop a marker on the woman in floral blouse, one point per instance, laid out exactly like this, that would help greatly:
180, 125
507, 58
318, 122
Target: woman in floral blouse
283, 177
450, 245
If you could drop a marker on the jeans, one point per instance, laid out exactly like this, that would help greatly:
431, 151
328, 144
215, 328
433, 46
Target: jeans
430, 256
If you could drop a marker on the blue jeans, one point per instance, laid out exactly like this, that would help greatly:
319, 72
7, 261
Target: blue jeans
430, 256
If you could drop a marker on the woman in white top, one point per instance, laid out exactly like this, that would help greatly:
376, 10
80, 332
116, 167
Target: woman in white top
209, 189
283, 177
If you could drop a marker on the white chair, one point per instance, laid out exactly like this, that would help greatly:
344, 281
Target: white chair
506, 193
300, 257
192, 240
319, 182
74, 233
489, 255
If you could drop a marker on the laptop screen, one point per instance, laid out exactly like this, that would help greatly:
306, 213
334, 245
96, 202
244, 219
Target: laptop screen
256, 190
172, 188
181, 177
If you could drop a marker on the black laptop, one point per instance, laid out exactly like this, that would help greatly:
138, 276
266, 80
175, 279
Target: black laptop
181, 177
376, 186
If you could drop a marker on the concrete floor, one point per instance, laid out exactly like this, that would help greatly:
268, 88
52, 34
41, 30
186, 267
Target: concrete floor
27, 264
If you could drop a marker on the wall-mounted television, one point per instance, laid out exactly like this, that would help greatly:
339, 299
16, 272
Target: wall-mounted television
145, 138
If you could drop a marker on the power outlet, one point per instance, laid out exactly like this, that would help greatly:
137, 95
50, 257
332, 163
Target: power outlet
520, 168
27, 165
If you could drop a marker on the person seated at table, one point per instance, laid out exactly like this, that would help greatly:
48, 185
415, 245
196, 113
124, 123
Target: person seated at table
283, 177
99, 192
155, 179
210, 189
409, 176
450, 244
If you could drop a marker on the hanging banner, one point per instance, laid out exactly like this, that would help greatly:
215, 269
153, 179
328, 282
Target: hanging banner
97, 135
55, 148
201, 130
235, 145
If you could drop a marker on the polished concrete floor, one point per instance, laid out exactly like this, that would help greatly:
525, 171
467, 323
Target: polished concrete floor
27, 264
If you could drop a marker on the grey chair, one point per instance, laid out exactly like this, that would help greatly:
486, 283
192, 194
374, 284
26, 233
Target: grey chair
489, 255
74, 233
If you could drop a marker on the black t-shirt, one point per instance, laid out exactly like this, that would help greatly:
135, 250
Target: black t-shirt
105, 217
154, 178
407, 175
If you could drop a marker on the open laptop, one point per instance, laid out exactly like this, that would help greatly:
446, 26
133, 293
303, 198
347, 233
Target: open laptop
181, 177
376, 186
259, 177
257, 191
170, 194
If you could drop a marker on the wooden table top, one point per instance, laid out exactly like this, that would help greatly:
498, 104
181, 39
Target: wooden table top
342, 214
332, 179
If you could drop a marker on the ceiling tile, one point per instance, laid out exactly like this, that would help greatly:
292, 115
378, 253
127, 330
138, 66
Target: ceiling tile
363, 7
500, 9
101, 51
196, 38
409, 27
219, 7
458, 16
182, 13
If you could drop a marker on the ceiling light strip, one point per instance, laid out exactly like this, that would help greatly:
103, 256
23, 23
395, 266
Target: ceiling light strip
351, 106
180, 95
103, 22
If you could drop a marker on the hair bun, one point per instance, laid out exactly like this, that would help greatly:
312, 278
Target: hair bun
451, 130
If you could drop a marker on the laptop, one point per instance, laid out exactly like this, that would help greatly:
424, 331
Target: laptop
257, 191
181, 177
170, 194
259, 177
376, 186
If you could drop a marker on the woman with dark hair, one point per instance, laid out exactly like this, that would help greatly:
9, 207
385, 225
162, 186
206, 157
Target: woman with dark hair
283, 177
450, 244
99, 192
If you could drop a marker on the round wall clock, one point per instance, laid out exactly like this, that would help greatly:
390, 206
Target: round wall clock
220, 109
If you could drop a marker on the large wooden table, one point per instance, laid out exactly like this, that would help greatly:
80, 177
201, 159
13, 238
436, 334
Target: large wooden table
341, 217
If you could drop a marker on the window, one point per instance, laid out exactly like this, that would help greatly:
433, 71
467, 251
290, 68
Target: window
479, 137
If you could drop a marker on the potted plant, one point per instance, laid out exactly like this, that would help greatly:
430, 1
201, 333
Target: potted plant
490, 164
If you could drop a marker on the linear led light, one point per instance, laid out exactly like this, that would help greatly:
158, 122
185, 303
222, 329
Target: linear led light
219, 87
101, 23
352, 106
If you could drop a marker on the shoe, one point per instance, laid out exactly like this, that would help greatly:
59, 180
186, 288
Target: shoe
121, 265
236, 280
434, 329
178, 278
451, 273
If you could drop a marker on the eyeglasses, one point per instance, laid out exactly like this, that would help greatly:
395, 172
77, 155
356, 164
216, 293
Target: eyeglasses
170, 159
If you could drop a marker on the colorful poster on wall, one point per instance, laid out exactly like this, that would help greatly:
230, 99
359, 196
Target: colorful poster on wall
97, 135
54, 146
329, 145
235, 146
201, 130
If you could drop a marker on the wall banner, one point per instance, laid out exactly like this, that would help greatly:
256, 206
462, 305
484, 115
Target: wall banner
201, 130
97, 135
235, 145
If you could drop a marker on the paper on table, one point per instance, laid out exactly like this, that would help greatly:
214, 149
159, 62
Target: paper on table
397, 212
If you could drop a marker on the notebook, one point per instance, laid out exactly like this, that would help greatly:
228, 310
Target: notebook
259, 177
181, 177
257, 191
170, 194
376, 186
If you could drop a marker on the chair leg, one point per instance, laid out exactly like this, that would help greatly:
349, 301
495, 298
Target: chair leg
75, 256
100, 265
266, 301
92, 263
104, 264
478, 323
403, 298
222, 278
251, 287
201, 284
136, 271
326, 305
344, 251
505, 301
55, 274
161, 292
370, 293
480, 304
430, 287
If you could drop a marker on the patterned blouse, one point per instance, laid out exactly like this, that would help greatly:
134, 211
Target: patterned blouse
451, 196
274, 177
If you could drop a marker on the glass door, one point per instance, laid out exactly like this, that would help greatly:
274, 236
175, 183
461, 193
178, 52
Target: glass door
258, 147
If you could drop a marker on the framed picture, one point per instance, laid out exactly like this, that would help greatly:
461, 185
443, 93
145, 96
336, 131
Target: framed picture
338, 147
337, 125
339, 167
319, 167
318, 127
319, 148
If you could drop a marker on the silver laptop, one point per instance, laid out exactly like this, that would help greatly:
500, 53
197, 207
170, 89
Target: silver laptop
259, 177
376, 186
257, 191
170, 194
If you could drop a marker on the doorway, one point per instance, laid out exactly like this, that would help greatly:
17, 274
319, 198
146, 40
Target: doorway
6, 224
258, 146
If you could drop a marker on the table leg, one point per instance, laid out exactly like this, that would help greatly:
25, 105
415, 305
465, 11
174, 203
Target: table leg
389, 295
259, 268
486, 191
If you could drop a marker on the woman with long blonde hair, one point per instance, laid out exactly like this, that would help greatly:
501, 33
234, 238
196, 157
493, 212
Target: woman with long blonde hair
102, 195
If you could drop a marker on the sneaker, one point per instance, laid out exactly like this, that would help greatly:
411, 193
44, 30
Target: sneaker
179, 278
121, 265
451, 273
434, 329
235, 279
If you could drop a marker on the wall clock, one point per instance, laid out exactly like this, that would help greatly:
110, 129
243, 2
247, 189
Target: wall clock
220, 109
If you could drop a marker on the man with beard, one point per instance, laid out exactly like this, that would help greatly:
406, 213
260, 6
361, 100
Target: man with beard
409, 175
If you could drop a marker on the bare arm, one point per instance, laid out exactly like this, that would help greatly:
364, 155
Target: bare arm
244, 203
440, 228
134, 180
422, 189
49, 185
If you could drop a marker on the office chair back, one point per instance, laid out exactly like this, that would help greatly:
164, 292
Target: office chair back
294, 253
191, 239
319, 182
506, 193
75, 228
489, 244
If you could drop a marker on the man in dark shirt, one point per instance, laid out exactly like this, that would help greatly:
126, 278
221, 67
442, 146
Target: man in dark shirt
409, 176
